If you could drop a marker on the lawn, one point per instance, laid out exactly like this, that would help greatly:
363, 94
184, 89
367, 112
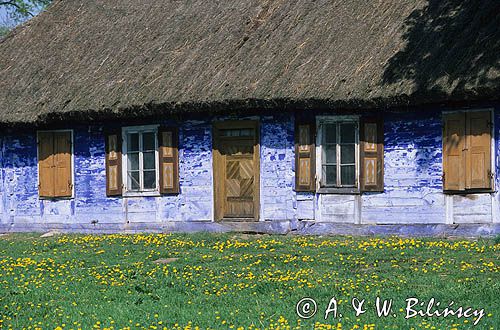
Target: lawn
231, 281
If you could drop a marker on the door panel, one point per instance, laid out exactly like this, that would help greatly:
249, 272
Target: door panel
236, 171
239, 183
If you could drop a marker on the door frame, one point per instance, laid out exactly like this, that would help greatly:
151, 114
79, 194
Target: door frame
218, 173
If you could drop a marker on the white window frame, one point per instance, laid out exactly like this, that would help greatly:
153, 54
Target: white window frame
320, 124
71, 131
139, 129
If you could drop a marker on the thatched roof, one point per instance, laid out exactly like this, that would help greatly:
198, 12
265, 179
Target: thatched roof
100, 57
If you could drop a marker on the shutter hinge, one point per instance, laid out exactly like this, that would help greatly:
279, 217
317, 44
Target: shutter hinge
491, 174
443, 176
490, 124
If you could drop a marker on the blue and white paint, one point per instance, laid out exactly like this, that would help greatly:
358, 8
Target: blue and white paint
413, 184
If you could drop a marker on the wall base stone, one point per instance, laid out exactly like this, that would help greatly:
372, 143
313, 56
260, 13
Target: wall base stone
267, 227
405, 230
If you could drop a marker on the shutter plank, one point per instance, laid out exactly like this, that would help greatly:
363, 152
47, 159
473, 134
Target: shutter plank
372, 154
46, 164
305, 149
62, 153
454, 151
478, 150
168, 144
113, 141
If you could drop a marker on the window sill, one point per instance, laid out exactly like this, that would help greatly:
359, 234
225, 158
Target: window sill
339, 191
142, 194
47, 198
468, 192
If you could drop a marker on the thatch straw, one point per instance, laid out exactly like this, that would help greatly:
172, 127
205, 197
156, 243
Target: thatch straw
122, 57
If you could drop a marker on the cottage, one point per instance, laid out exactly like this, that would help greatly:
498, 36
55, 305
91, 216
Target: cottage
328, 116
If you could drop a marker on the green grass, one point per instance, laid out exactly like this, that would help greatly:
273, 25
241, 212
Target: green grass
230, 281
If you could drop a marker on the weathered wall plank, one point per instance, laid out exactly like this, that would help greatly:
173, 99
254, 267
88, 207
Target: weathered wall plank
413, 169
277, 167
472, 208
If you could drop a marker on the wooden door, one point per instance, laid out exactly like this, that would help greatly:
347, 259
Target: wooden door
236, 171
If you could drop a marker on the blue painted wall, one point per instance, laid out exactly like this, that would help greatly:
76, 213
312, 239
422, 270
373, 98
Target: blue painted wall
413, 184
413, 171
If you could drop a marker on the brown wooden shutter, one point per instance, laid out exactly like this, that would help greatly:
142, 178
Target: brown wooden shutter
372, 154
478, 150
54, 164
168, 144
454, 151
46, 164
63, 180
114, 186
305, 150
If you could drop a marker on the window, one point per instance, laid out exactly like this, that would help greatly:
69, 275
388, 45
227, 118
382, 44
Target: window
55, 161
467, 152
339, 154
140, 152
338, 139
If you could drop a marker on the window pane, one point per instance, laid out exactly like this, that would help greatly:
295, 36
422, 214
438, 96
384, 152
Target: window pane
329, 154
246, 132
228, 132
133, 142
237, 132
329, 175
149, 160
347, 175
347, 132
133, 181
347, 154
149, 179
133, 161
148, 141
330, 133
